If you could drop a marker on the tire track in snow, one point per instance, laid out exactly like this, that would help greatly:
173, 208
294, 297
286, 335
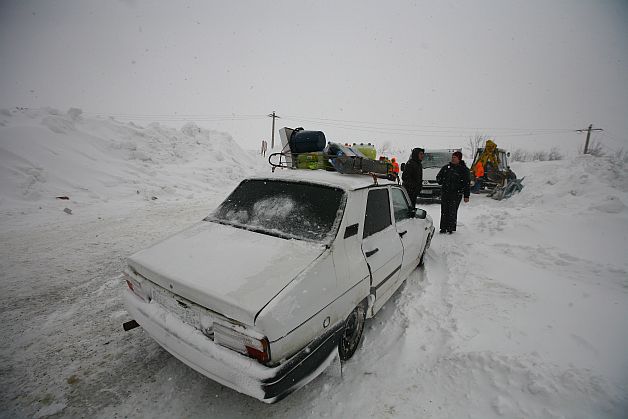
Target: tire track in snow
427, 307
402, 344
65, 347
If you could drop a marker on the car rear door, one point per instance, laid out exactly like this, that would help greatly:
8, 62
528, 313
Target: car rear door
381, 243
410, 230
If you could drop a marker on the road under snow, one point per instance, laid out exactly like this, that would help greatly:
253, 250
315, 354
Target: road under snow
522, 313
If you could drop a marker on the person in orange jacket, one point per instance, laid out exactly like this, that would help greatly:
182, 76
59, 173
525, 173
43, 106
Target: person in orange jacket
395, 166
479, 173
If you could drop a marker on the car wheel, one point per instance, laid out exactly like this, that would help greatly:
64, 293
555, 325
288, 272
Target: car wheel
352, 332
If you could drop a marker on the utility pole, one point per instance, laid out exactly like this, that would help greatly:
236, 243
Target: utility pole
272, 141
588, 130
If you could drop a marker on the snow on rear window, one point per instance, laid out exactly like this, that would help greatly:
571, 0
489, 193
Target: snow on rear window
291, 209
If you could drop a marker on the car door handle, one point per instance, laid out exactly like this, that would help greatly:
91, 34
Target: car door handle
403, 233
371, 253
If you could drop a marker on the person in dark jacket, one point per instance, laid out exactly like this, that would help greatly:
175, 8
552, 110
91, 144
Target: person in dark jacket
412, 176
454, 180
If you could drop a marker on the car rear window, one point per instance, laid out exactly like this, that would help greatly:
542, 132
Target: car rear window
286, 209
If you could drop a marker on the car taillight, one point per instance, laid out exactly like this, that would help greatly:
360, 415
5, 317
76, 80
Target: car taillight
137, 288
251, 344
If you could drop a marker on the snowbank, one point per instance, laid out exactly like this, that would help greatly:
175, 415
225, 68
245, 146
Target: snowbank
47, 154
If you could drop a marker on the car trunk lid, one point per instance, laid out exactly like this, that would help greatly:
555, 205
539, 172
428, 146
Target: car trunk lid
231, 271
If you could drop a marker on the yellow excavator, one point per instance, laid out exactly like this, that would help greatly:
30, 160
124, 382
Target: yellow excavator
498, 180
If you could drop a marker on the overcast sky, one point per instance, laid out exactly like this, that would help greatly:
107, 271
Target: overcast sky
418, 73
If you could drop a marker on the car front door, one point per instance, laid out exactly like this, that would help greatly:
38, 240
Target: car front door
381, 243
410, 229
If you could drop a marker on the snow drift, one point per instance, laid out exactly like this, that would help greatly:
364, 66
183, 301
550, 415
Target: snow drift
46, 154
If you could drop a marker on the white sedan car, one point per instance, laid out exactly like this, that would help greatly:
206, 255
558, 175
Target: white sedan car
263, 294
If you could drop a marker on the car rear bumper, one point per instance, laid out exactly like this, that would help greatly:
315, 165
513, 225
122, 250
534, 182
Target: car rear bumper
227, 367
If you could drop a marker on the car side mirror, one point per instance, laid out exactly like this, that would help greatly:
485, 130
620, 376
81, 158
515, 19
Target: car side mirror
402, 167
420, 213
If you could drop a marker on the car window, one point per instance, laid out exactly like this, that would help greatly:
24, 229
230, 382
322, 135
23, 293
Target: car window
287, 209
401, 207
436, 159
377, 215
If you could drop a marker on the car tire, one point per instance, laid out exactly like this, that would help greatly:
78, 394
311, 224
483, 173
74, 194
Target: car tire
351, 332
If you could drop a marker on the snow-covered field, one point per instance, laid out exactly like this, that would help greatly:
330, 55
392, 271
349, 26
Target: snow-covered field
523, 313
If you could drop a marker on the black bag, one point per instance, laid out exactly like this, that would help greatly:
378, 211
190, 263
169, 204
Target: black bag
360, 165
302, 141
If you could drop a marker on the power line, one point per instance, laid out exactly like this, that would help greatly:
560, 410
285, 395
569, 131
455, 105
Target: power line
422, 127
375, 126
422, 131
371, 127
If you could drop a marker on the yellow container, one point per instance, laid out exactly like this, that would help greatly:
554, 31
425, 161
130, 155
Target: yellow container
312, 161
367, 149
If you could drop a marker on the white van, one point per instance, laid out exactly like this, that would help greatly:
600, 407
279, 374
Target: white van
433, 161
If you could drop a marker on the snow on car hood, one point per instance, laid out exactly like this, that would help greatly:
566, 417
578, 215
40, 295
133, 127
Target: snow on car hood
228, 270
430, 173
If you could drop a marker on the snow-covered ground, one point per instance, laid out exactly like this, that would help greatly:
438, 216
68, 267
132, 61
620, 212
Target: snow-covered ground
523, 313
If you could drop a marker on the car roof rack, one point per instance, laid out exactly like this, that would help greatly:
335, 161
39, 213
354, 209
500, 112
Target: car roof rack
309, 150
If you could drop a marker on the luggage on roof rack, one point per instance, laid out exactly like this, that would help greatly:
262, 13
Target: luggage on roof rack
350, 161
303, 149
367, 149
362, 165
302, 141
314, 160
